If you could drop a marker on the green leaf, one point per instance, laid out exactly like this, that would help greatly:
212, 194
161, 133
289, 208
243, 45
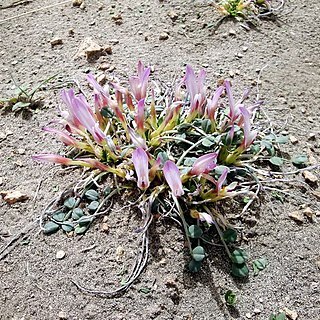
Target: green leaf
93, 205
259, 264
77, 213
59, 216
240, 270
92, 194
276, 161
230, 236
81, 230
255, 148
70, 202
230, 297
246, 199
282, 139
194, 266
67, 226
269, 147
85, 220
107, 191
198, 253
219, 170
206, 125
188, 162
299, 160
239, 256
195, 231
208, 142
145, 290
50, 227
280, 316
20, 105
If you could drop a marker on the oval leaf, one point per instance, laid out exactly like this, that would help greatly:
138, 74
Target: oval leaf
276, 161
77, 213
240, 270
92, 194
230, 236
230, 298
67, 226
85, 220
81, 230
195, 231
300, 160
194, 266
93, 205
50, 227
70, 202
59, 216
239, 256
198, 253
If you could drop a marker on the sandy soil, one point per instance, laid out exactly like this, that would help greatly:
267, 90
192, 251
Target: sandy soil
36, 285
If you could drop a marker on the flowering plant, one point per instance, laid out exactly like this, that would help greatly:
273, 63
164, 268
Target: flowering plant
185, 146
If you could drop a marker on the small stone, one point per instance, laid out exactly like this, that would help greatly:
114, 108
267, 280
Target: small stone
119, 252
71, 32
256, 311
248, 315
107, 49
60, 254
163, 262
90, 49
245, 49
170, 283
104, 66
291, 314
82, 6
309, 177
112, 68
316, 194
311, 137
77, 3
163, 36
303, 110
62, 315
296, 216
293, 139
104, 227
117, 18
114, 41
13, 196
308, 212
239, 55
3, 136
173, 15
1, 181
56, 41
231, 73
21, 151
232, 32
102, 79
318, 263
283, 100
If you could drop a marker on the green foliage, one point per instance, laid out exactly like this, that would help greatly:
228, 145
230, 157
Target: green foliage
230, 298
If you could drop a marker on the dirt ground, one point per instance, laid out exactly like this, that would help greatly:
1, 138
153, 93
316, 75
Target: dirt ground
34, 284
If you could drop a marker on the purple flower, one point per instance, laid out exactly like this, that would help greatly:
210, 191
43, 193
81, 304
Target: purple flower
140, 117
212, 104
139, 83
53, 158
137, 140
221, 180
140, 162
204, 164
63, 136
233, 107
172, 175
196, 89
249, 135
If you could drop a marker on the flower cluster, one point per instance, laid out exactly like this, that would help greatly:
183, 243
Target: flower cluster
185, 141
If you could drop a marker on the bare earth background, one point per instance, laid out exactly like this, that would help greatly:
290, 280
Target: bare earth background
36, 285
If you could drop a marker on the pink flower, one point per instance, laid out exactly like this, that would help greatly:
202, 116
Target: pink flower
137, 140
139, 83
53, 158
63, 136
172, 175
212, 104
196, 89
204, 164
140, 117
140, 162
249, 135
233, 107
221, 180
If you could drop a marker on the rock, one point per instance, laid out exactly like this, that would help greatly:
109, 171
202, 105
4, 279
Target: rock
248, 315
82, 6
232, 32
104, 227
3, 136
62, 315
119, 253
77, 3
245, 49
90, 49
173, 15
13, 196
296, 216
309, 213
107, 49
71, 32
117, 18
291, 314
163, 36
231, 73
293, 139
1, 181
316, 194
311, 136
309, 177
104, 66
21, 151
56, 41
60, 254
256, 311
114, 41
